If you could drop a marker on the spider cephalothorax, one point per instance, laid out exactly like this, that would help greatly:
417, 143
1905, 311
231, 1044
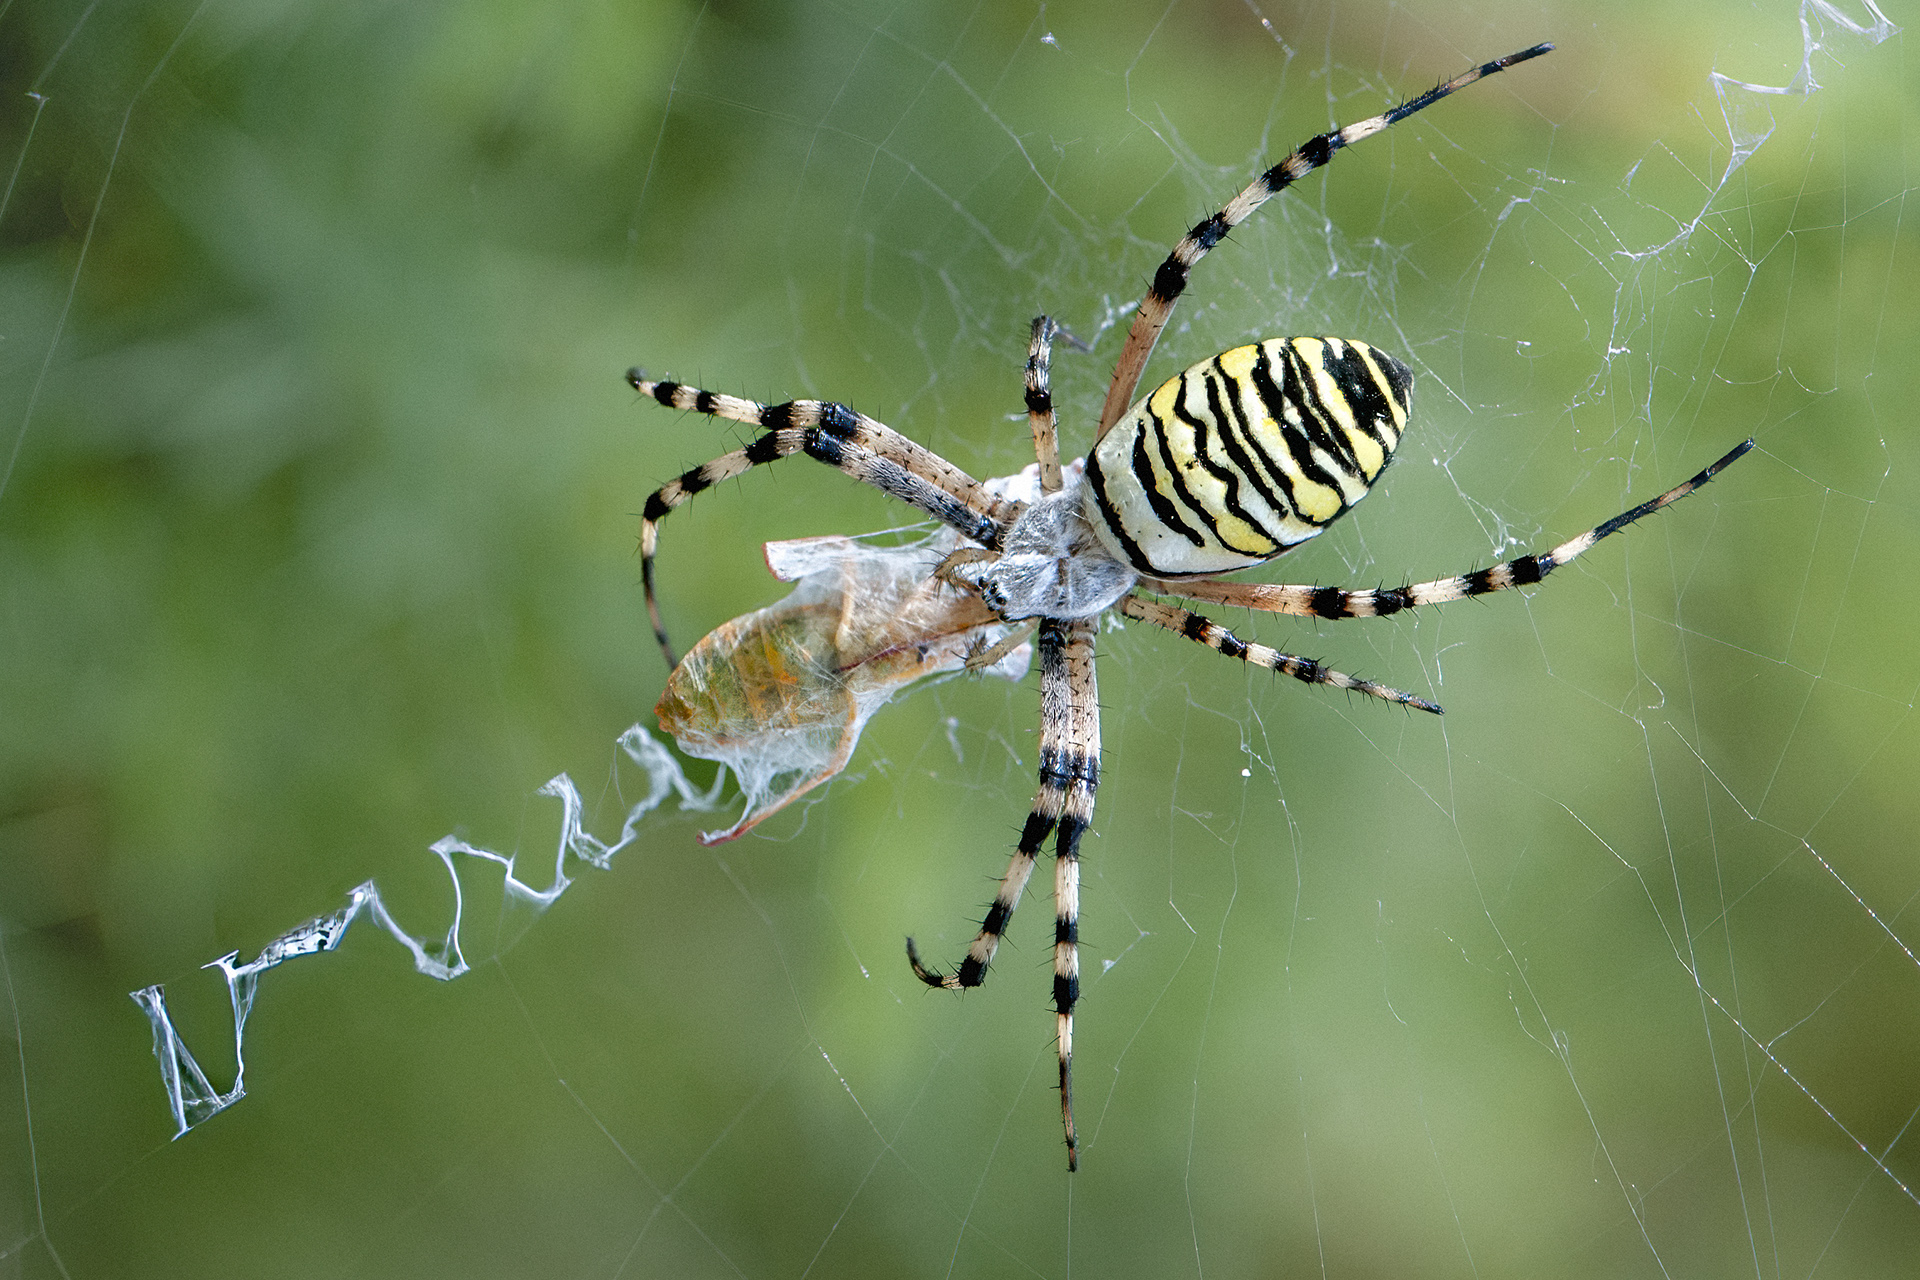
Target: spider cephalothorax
1052, 564
1221, 467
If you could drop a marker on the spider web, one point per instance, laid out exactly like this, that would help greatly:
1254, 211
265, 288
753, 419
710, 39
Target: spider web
316, 492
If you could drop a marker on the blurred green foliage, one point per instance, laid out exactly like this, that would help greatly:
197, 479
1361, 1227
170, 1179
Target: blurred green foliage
316, 542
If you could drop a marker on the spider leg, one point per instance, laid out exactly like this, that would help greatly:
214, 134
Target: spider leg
1056, 775
1082, 753
1046, 439
988, 654
1069, 774
1334, 602
1170, 281
869, 451
1217, 638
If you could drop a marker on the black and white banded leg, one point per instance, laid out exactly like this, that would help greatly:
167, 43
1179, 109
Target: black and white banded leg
1170, 281
1217, 638
1082, 737
1062, 808
1337, 602
866, 449
1040, 416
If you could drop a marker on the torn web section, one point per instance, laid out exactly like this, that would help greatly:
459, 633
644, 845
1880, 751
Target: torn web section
192, 1097
780, 695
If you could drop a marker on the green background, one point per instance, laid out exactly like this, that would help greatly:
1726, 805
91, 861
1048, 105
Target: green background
317, 543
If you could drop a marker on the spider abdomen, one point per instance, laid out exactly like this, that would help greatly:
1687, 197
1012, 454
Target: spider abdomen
1238, 458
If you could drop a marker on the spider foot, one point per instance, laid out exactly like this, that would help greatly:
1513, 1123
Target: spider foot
1066, 336
955, 981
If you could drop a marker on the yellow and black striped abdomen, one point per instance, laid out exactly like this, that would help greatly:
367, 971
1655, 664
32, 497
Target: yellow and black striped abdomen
1246, 454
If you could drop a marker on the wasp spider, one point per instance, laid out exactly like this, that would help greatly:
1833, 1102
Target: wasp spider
1220, 468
